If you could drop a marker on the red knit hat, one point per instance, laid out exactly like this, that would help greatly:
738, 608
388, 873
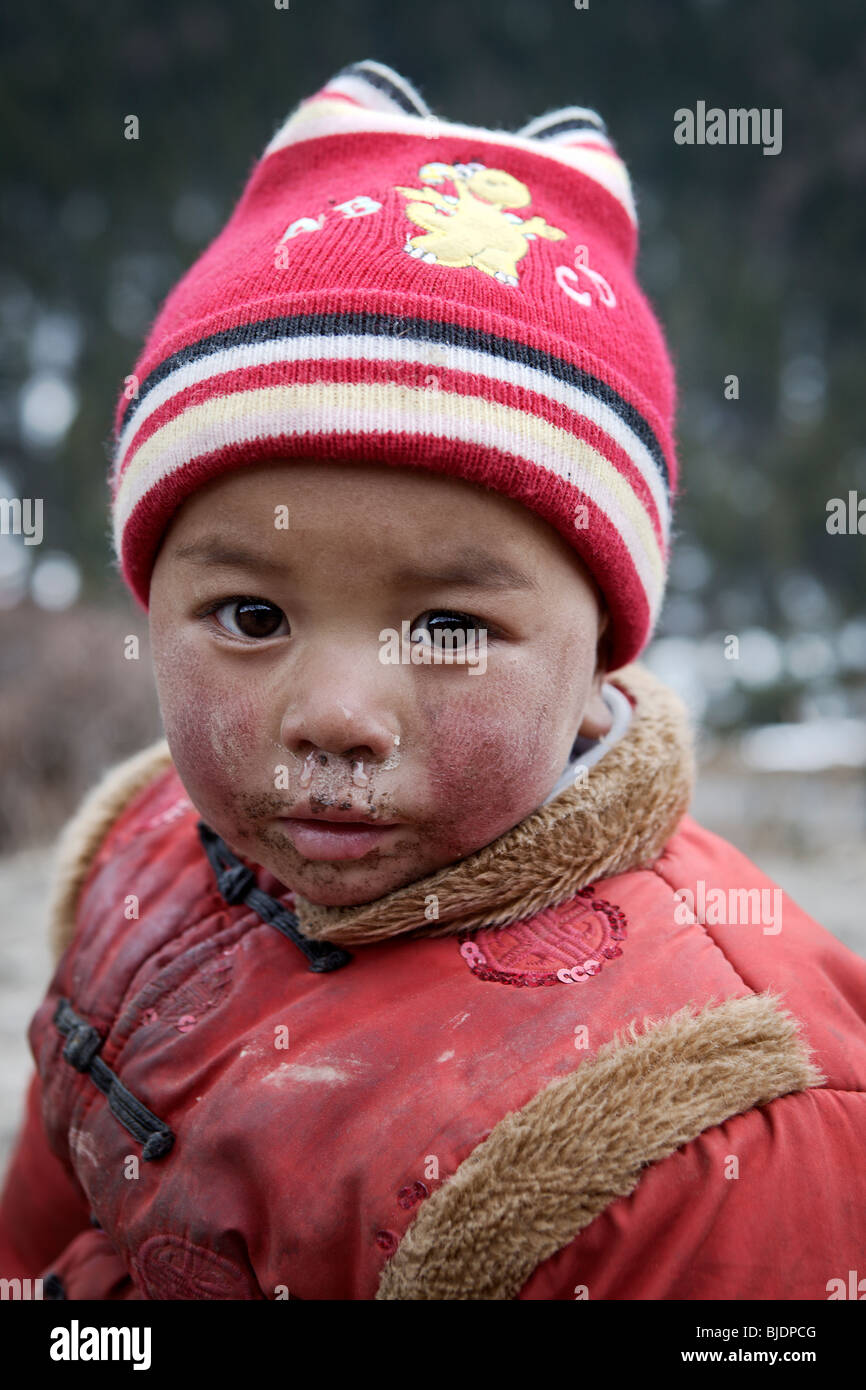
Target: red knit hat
400, 289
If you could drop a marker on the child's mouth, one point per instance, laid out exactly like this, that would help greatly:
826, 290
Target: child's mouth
342, 839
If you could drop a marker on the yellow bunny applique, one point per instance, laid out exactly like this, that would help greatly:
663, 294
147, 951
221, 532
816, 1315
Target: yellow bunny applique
473, 228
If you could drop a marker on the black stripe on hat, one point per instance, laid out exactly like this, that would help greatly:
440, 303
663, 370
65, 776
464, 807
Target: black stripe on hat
565, 121
568, 127
386, 80
438, 331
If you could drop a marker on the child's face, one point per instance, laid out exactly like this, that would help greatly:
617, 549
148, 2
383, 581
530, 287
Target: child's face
283, 706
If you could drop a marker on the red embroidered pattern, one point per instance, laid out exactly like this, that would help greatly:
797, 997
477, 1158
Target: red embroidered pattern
559, 945
171, 1267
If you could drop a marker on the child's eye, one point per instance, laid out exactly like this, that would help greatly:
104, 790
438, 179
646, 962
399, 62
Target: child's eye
441, 621
255, 617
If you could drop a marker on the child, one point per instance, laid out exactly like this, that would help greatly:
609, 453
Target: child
398, 969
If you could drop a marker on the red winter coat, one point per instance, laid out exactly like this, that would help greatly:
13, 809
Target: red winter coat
584, 1079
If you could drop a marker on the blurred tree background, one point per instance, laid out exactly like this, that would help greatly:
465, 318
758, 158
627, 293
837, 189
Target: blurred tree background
754, 263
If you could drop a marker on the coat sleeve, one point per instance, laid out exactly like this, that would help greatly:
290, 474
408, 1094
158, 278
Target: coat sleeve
769, 1205
41, 1207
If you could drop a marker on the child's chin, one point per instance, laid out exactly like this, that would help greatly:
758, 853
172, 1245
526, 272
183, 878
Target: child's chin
355, 887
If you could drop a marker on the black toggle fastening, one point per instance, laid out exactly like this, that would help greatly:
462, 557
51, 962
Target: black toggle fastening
81, 1049
82, 1044
237, 883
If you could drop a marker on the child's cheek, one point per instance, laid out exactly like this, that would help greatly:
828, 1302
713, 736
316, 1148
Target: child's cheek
492, 756
213, 729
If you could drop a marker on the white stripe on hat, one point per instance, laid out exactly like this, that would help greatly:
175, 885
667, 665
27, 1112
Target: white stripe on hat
346, 347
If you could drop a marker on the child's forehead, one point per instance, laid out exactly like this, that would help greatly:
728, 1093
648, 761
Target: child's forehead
319, 481
405, 526
391, 505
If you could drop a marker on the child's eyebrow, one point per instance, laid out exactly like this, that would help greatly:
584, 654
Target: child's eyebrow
214, 551
475, 569
468, 569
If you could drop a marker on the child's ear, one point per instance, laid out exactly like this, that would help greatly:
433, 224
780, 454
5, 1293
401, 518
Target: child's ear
602, 649
597, 718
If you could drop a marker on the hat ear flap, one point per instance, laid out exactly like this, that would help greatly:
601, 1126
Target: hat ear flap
566, 126
377, 88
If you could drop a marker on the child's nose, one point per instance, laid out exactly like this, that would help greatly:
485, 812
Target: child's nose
355, 732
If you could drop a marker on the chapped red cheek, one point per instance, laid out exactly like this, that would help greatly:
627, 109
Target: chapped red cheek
213, 729
489, 761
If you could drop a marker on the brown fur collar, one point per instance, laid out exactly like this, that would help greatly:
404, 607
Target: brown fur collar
619, 818
84, 832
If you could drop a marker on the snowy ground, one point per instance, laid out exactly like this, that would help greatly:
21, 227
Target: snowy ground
806, 834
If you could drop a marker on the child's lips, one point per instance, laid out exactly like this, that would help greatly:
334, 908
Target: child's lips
340, 838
